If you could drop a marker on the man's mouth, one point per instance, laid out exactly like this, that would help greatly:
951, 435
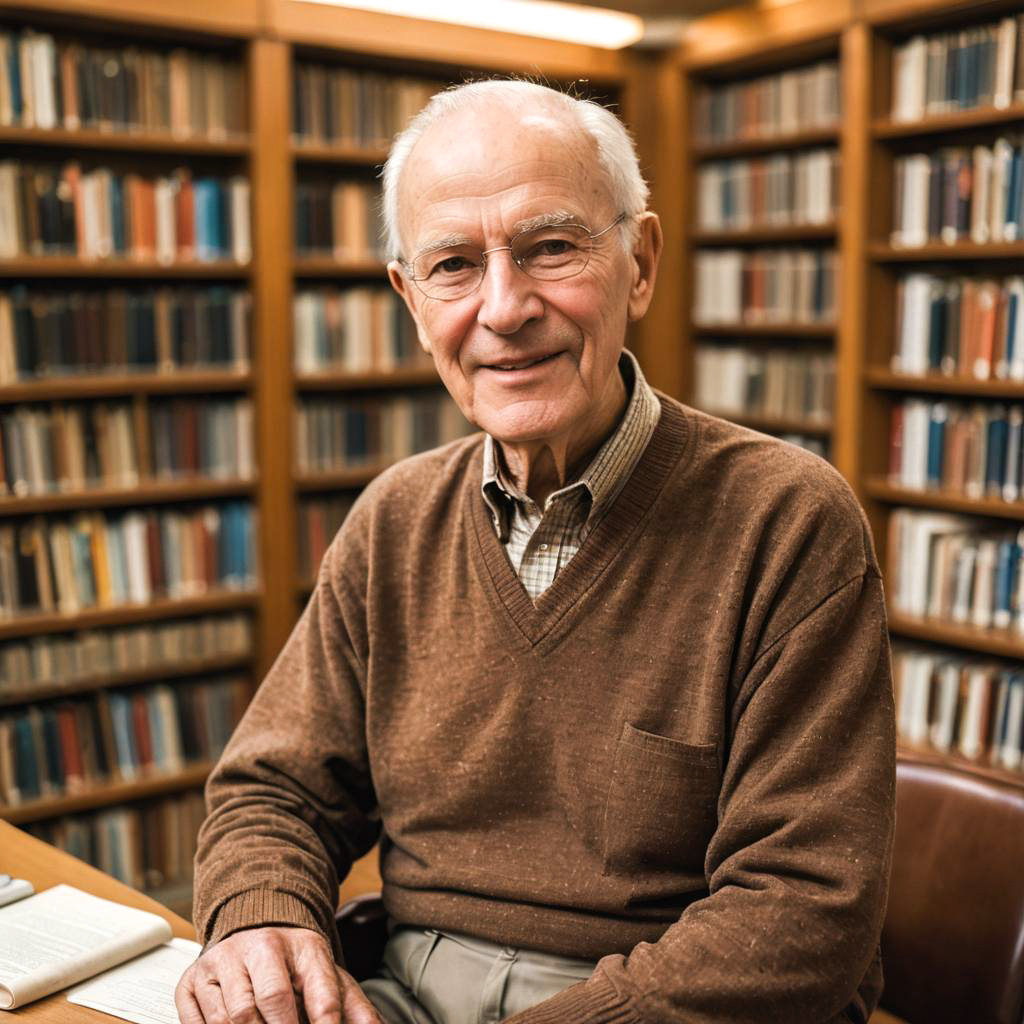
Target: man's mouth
522, 364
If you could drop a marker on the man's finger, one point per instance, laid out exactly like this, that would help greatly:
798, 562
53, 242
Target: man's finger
210, 999
355, 1007
314, 976
236, 989
185, 1000
271, 977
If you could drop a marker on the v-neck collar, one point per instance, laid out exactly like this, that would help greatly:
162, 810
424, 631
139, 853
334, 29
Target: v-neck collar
534, 621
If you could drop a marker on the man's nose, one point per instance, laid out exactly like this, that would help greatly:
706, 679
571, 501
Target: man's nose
508, 296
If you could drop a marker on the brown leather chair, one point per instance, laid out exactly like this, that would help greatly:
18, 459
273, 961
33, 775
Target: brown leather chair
953, 940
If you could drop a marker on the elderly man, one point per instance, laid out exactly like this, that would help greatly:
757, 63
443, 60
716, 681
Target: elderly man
609, 679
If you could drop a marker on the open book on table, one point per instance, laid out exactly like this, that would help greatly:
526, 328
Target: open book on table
62, 936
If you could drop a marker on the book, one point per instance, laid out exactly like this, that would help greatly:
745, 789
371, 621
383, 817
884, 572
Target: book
59, 937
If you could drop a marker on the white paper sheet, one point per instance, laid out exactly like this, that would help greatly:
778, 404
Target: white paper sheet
141, 990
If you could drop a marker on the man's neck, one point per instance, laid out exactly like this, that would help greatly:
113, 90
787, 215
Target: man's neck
539, 468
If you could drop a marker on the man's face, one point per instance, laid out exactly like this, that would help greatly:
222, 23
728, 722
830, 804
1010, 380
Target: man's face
525, 360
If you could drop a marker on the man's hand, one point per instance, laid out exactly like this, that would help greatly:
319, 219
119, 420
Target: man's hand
260, 974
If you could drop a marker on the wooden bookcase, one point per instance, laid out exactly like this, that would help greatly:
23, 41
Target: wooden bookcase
266, 38
736, 43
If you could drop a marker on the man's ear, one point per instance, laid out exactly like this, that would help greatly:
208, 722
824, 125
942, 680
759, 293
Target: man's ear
644, 260
411, 296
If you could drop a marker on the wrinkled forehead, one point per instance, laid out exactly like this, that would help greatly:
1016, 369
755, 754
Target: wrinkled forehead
492, 161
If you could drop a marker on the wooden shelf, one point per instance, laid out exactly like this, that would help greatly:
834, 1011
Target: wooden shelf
1001, 642
339, 479
330, 153
405, 377
317, 266
939, 251
157, 673
910, 752
937, 124
72, 266
175, 382
939, 383
34, 623
762, 330
765, 234
754, 147
104, 794
126, 141
879, 488
775, 424
146, 492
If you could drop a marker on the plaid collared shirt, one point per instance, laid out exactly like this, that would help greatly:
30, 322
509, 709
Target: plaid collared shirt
540, 543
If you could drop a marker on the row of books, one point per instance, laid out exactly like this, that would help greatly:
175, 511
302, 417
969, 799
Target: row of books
950, 567
94, 655
70, 448
971, 449
320, 518
777, 190
121, 330
332, 434
46, 82
103, 213
353, 330
960, 326
959, 193
765, 286
149, 847
980, 66
340, 219
358, 109
98, 559
956, 704
784, 103
782, 383
66, 746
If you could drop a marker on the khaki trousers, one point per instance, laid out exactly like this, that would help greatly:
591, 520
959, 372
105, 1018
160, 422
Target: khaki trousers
429, 977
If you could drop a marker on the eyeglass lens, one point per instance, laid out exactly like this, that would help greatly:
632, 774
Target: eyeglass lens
545, 254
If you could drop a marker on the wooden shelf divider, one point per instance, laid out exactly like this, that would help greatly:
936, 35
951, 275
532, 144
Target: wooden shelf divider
758, 234
401, 377
182, 668
34, 623
938, 383
144, 493
104, 794
124, 141
935, 124
72, 266
892, 494
116, 385
765, 144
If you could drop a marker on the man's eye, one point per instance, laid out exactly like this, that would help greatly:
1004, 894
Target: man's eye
553, 247
451, 265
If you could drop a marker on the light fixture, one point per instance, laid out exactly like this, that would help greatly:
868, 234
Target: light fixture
592, 26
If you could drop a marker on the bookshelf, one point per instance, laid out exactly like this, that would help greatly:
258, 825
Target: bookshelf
760, 210
140, 821
107, 691
968, 504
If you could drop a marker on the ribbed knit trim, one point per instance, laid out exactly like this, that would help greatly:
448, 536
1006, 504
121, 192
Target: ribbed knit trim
268, 906
671, 444
593, 1002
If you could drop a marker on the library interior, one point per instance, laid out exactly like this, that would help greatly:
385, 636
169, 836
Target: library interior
205, 359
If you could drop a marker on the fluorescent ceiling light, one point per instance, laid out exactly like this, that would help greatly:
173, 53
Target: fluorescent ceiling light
592, 26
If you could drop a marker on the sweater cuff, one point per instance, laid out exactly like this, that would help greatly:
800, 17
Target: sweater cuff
594, 1001
260, 908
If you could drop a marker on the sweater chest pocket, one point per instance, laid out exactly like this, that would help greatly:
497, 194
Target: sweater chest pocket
662, 805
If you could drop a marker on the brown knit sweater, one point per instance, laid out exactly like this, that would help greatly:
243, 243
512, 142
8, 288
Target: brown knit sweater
680, 760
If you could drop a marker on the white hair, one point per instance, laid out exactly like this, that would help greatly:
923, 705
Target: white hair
616, 153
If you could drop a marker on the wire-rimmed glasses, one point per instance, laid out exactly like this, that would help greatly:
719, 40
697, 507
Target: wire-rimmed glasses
549, 253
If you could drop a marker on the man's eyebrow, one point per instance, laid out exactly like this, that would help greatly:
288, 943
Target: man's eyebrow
448, 242
546, 220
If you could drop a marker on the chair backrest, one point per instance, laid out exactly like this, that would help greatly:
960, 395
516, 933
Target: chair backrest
953, 940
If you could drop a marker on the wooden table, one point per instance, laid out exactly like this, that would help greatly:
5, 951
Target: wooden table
44, 866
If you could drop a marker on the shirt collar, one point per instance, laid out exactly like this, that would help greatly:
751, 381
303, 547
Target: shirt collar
606, 473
